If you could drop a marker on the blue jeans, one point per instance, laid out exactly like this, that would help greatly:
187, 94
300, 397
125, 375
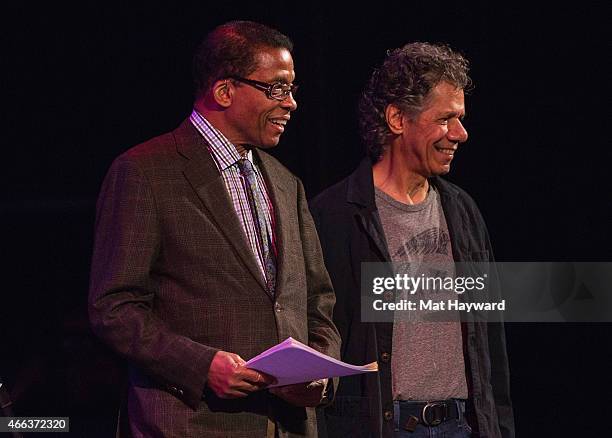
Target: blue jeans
454, 428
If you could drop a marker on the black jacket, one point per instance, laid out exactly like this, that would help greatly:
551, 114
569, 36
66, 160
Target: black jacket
351, 232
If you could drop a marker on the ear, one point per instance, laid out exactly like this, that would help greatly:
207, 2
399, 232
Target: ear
395, 119
223, 92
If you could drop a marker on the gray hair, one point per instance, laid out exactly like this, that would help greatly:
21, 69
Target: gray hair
405, 79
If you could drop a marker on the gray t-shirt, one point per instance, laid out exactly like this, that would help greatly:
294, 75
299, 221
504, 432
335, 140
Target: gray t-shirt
427, 359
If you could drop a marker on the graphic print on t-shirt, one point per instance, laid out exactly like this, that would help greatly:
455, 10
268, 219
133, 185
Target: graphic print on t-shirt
426, 358
431, 241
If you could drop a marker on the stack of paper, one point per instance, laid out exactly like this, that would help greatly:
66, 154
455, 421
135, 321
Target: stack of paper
293, 362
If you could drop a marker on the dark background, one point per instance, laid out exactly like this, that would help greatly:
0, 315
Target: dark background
84, 83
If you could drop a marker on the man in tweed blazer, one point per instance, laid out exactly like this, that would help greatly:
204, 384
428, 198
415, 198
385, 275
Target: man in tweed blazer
177, 287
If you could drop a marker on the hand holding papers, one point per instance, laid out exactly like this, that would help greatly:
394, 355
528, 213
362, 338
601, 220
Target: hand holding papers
293, 362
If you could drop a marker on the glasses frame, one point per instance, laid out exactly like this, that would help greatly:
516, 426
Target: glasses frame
268, 88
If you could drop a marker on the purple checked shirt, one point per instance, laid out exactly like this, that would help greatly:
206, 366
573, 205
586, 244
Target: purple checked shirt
226, 158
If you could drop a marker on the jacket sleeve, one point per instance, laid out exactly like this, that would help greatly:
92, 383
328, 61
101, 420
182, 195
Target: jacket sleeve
500, 373
322, 333
122, 289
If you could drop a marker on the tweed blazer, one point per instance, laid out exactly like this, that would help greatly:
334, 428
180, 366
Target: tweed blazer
173, 281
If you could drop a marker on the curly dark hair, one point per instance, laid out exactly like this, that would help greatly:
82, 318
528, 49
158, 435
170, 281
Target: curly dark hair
231, 49
405, 79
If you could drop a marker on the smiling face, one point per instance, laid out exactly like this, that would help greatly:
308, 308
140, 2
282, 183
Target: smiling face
253, 118
430, 139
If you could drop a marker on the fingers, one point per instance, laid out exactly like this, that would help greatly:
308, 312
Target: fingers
270, 380
240, 361
228, 376
258, 378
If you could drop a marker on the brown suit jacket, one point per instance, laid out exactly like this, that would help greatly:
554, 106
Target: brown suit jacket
173, 281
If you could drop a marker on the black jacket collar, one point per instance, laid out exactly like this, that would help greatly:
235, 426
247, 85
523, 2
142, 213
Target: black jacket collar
361, 186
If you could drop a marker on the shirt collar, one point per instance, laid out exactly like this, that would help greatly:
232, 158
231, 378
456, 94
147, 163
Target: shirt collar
222, 150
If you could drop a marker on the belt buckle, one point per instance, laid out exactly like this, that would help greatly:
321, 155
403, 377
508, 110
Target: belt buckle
435, 421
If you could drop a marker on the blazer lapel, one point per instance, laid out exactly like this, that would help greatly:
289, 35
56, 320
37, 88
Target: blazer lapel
202, 174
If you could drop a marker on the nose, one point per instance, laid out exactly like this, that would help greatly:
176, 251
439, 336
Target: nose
289, 103
457, 132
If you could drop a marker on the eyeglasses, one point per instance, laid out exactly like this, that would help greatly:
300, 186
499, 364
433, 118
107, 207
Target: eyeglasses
277, 91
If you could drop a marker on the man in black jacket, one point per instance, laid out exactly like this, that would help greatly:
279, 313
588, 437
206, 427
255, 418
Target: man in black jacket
447, 377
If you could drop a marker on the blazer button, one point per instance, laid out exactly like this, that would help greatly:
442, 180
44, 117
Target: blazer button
385, 357
277, 307
388, 415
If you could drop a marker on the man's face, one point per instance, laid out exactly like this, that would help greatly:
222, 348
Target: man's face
431, 139
255, 119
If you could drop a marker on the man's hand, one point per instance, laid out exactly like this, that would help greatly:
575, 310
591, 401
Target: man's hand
301, 394
228, 376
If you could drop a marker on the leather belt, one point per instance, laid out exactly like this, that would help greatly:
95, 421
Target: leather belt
429, 414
